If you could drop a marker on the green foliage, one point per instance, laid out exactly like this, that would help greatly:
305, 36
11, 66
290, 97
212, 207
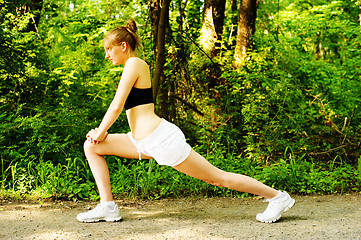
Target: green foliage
146, 179
359, 169
45, 180
290, 173
299, 89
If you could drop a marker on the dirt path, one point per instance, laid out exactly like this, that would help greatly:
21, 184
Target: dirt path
313, 217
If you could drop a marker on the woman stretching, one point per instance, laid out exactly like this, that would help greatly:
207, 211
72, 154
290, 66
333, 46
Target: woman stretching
153, 137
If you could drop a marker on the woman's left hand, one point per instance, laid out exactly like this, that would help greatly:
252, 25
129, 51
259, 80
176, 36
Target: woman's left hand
94, 137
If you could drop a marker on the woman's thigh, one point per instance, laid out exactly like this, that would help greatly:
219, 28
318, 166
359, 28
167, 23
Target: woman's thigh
198, 167
117, 145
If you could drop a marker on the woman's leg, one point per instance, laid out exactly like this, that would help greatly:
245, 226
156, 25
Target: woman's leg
198, 167
115, 144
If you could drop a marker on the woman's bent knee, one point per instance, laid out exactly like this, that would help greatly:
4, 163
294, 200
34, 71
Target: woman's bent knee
89, 147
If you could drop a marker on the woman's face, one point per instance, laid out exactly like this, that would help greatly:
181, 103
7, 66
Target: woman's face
116, 54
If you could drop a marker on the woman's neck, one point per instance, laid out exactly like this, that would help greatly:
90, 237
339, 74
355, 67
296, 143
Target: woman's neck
129, 56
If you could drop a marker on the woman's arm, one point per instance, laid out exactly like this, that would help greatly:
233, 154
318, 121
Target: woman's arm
129, 76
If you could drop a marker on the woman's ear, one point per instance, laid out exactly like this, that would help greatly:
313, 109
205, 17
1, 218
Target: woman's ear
124, 46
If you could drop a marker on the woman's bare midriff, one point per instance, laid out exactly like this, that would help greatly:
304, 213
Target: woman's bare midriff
142, 120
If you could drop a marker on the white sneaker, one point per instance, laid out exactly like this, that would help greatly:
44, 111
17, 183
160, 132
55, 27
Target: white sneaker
277, 205
101, 212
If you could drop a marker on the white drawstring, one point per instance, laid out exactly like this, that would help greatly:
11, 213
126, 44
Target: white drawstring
138, 145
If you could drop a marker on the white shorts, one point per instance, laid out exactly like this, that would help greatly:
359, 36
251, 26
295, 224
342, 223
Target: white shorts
166, 144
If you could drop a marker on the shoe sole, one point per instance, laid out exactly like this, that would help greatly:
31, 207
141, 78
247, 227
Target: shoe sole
285, 210
101, 220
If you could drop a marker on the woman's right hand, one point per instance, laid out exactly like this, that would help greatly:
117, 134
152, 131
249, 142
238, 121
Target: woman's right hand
94, 137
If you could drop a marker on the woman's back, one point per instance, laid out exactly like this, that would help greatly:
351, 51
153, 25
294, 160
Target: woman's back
142, 119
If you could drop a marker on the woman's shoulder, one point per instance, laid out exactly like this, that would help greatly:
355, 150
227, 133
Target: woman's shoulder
137, 61
139, 68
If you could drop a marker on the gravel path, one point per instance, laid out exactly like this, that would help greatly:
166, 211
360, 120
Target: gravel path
312, 217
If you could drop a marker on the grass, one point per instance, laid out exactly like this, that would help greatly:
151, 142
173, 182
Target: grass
146, 179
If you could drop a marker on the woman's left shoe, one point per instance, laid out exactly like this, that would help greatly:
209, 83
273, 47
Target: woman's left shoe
277, 205
100, 213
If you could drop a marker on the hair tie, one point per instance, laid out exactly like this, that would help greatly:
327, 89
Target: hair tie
129, 30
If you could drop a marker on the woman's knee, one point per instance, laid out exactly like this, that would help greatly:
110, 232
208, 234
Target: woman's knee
219, 179
89, 147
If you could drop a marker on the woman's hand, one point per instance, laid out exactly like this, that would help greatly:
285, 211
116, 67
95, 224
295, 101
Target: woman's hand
95, 137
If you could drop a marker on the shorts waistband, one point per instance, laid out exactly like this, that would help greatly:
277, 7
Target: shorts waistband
139, 143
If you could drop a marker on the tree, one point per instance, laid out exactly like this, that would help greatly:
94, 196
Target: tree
360, 13
35, 7
22, 57
212, 26
159, 11
246, 29
31, 8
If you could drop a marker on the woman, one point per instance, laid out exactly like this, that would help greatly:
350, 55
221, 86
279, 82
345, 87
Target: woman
153, 137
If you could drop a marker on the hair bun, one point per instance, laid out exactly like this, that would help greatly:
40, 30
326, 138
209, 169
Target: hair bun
132, 25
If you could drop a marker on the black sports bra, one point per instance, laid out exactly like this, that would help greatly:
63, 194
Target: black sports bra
138, 96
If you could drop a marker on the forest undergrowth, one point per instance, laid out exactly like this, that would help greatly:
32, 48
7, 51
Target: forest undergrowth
289, 117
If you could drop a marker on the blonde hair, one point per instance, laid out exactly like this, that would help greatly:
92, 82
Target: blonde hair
127, 33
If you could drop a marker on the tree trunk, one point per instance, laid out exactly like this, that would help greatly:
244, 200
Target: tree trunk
231, 41
34, 6
234, 9
31, 6
212, 26
154, 10
359, 16
160, 21
246, 29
